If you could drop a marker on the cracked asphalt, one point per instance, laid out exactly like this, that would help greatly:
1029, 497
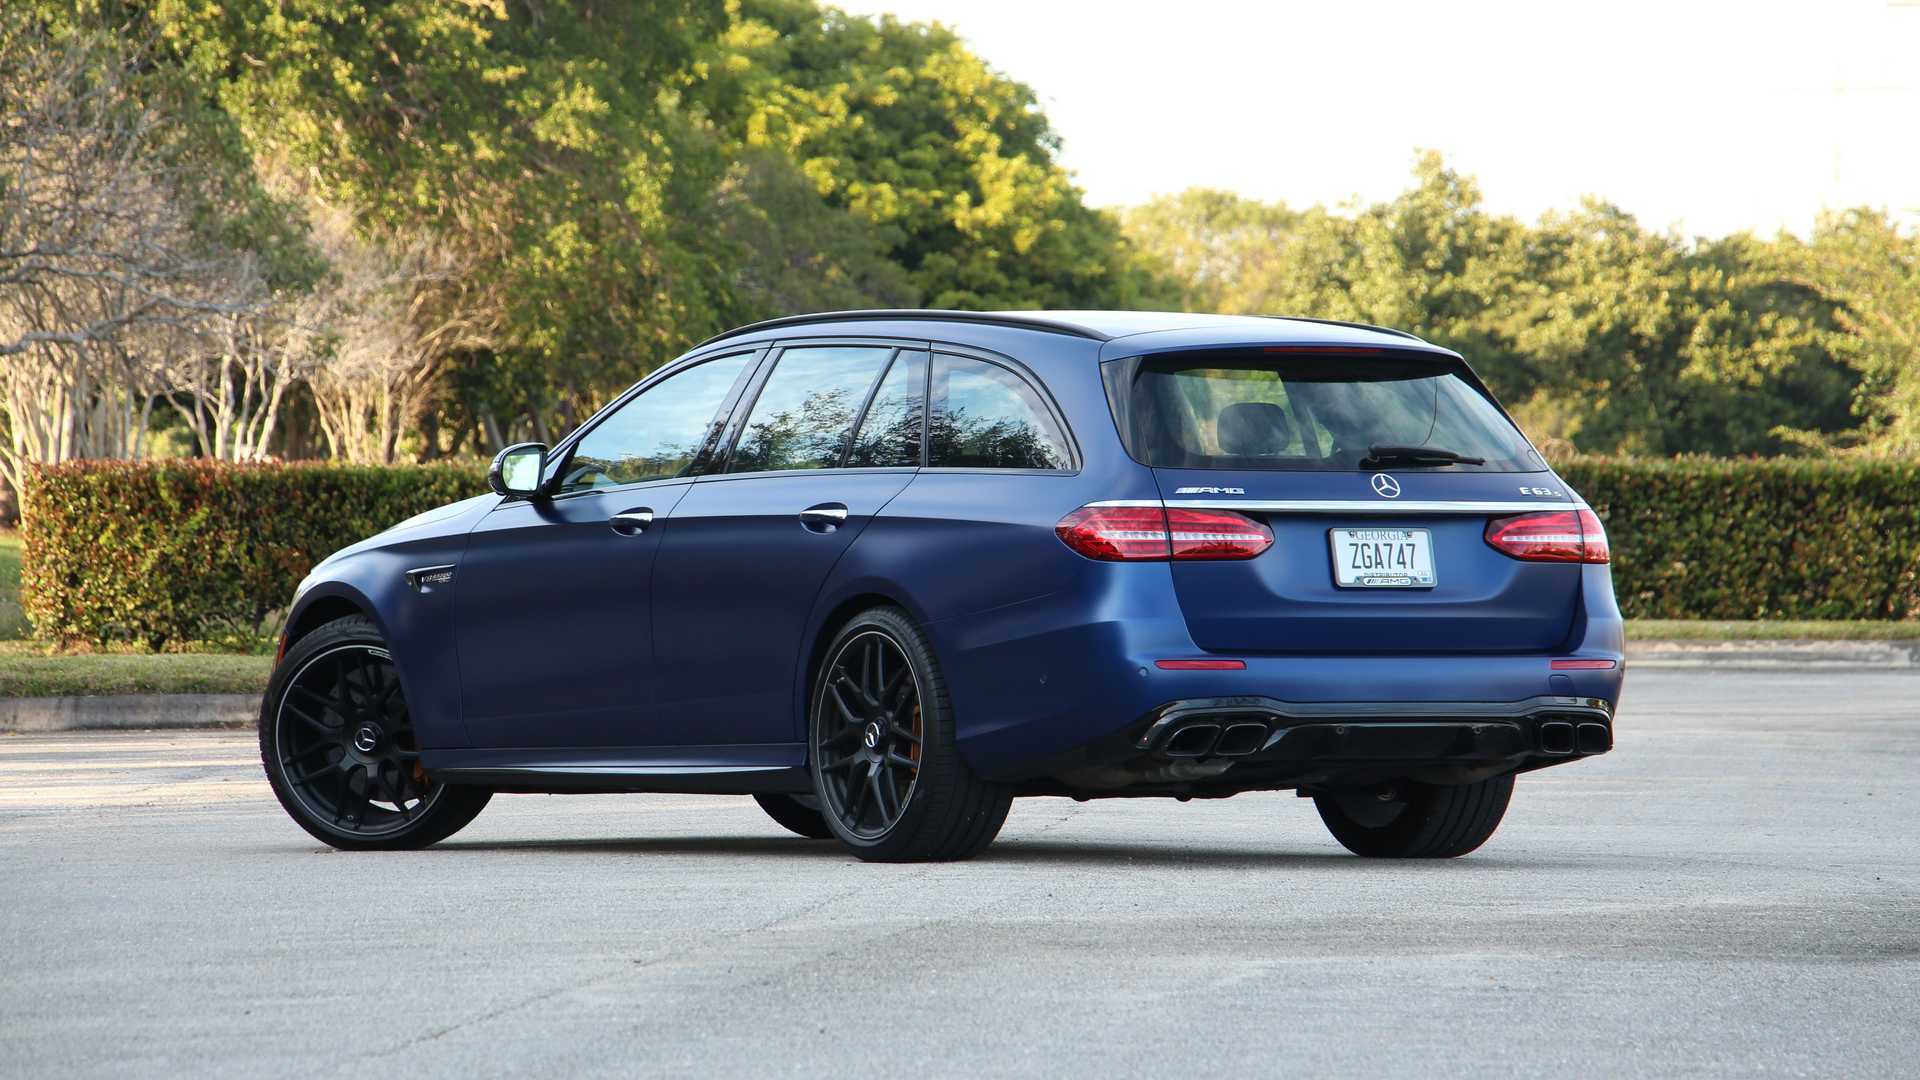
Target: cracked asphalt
1734, 891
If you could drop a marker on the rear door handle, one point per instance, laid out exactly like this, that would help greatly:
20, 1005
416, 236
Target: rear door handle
824, 518
632, 522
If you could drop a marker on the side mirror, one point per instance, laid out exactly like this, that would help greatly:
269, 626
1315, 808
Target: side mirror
517, 470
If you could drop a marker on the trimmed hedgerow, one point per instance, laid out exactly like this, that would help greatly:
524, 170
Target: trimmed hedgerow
174, 552
183, 551
1742, 539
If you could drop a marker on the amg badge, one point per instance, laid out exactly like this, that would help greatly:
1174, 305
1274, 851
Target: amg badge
427, 578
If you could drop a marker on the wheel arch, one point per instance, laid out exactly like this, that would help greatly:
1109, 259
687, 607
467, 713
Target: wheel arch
849, 606
318, 612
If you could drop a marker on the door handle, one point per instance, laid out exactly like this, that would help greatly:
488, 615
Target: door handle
824, 518
632, 522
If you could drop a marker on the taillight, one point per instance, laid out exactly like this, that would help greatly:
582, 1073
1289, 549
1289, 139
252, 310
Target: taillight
1216, 534
1555, 536
1129, 533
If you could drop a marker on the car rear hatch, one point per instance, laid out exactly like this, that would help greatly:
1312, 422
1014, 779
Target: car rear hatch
1380, 542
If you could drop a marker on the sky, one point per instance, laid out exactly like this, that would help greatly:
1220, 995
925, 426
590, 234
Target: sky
1704, 117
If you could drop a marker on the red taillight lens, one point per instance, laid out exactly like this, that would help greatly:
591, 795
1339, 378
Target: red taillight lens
1126, 533
1216, 534
1557, 536
1115, 533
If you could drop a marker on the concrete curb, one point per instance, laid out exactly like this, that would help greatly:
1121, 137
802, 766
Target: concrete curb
126, 711
1776, 655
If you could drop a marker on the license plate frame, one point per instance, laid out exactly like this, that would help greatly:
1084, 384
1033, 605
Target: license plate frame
1412, 568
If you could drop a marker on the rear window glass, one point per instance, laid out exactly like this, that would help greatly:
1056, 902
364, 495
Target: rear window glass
986, 417
1312, 412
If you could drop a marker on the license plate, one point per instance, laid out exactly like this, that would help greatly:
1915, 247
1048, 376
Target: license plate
1382, 558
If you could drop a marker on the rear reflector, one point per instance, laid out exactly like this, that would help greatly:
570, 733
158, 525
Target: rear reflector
1201, 665
1574, 536
1131, 533
1585, 665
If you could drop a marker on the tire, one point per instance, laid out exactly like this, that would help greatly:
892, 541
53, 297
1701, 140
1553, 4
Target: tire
338, 747
796, 816
1427, 821
941, 810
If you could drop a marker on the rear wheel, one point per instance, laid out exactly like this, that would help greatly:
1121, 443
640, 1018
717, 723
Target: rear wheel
339, 747
1407, 820
798, 814
887, 772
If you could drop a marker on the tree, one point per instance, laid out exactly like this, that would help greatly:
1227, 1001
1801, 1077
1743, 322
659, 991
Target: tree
1861, 262
534, 145
111, 240
955, 163
1599, 334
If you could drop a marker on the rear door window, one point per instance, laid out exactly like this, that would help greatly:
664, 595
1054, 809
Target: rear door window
984, 416
890, 432
805, 412
1215, 411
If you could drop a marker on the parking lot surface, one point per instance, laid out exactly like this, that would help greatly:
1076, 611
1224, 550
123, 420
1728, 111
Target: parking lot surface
1734, 891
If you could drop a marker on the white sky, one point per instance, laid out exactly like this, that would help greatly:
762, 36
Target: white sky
1709, 117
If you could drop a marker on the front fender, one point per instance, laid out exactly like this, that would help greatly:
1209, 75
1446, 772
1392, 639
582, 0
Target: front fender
416, 623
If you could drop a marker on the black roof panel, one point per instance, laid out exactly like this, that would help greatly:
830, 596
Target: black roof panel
1093, 325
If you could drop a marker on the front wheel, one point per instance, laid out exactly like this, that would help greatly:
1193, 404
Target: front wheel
887, 772
339, 747
1408, 820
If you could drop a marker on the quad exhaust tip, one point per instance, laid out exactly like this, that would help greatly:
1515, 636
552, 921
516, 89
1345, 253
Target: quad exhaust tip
1214, 738
1558, 737
1565, 737
1595, 738
1192, 740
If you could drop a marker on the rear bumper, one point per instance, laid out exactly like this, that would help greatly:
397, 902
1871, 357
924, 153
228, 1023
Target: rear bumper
1219, 746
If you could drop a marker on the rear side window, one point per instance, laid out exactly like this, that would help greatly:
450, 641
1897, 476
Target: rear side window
984, 416
890, 433
1214, 411
806, 410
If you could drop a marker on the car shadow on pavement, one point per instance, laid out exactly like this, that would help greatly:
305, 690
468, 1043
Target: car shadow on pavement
732, 846
1070, 852
1017, 853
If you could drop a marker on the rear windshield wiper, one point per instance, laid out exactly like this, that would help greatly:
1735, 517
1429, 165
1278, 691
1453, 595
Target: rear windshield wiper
1415, 455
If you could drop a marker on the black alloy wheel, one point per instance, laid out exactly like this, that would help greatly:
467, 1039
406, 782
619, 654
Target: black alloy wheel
870, 763
339, 747
889, 778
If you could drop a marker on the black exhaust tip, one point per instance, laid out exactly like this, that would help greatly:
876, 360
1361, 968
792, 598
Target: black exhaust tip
1193, 740
1557, 737
1239, 740
1595, 738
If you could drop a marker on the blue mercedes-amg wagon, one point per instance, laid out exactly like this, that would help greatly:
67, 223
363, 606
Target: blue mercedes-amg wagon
886, 571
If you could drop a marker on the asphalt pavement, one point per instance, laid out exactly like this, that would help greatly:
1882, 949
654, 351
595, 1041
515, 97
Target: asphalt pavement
1734, 891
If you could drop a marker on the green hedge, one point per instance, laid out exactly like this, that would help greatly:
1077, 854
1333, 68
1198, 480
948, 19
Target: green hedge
160, 553
186, 551
1781, 539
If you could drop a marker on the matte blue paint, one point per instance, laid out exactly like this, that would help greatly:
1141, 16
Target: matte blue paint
562, 641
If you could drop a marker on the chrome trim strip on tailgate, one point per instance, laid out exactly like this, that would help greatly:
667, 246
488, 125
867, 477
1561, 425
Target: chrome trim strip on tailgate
1351, 506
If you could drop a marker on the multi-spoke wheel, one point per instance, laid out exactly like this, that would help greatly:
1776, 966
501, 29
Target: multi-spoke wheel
340, 751
871, 739
889, 778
